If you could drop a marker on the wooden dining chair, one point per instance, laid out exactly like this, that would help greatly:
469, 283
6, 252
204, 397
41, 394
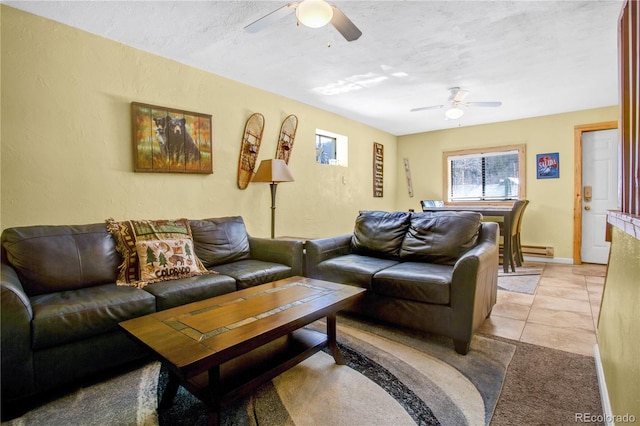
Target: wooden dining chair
513, 234
515, 242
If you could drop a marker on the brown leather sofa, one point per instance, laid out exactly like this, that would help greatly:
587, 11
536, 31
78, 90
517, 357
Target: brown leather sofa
61, 307
435, 272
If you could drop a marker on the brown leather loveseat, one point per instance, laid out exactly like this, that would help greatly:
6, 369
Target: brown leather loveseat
61, 305
435, 272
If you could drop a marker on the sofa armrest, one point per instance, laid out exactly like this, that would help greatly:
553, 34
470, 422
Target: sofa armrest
15, 337
285, 252
474, 285
325, 248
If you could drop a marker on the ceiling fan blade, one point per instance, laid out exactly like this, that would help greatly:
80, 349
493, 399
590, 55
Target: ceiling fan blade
344, 25
427, 108
483, 104
270, 18
460, 95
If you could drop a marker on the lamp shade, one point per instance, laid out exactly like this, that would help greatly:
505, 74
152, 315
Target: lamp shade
314, 13
274, 170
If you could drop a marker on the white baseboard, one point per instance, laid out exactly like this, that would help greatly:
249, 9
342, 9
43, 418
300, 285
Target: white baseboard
604, 394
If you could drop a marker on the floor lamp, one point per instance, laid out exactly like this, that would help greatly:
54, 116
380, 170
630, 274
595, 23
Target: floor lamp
273, 171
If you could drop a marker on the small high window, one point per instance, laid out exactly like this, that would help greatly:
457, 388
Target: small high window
331, 148
491, 174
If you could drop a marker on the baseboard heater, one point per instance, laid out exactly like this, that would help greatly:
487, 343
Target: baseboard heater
538, 251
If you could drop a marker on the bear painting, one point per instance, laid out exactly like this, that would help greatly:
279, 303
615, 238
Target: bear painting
171, 141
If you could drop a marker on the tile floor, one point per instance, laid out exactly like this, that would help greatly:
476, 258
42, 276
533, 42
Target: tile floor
562, 314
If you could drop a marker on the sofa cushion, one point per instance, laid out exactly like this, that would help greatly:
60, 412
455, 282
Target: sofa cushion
420, 282
440, 237
73, 315
161, 260
49, 259
251, 272
379, 233
352, 269
179, 292
220, 240
128, 232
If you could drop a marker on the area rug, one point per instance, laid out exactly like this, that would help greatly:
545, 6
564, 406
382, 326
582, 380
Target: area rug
526, 284
522, 270
546, 386
392, 377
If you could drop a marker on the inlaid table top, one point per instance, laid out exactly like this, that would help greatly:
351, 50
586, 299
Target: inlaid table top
204, 336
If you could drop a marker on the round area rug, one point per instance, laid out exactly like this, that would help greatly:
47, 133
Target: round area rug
391, 377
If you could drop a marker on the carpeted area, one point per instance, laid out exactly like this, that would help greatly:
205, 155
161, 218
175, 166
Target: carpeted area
546, 386
392, 377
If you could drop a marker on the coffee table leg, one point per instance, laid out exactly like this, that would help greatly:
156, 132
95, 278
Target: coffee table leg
170, 392
214, 396
331, 340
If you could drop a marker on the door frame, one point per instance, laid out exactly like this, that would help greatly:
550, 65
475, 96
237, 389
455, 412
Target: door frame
577, 179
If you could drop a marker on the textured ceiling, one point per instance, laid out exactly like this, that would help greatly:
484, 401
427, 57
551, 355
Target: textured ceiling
537, 57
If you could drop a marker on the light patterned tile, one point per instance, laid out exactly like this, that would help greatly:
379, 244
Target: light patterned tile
594, 281
557, 270
503, 327
563, 314
513, 297
561, 304
590, 269
565, 339
570, 281
562, 319
595, 297
511, 310
564, 292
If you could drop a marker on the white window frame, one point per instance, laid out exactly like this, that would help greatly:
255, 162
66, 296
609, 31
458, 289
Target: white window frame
342, 148
447, 156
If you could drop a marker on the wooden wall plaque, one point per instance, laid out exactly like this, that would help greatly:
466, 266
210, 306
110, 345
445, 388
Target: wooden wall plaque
378, 169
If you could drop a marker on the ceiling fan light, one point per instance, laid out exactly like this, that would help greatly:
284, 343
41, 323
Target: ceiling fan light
314, 13
454, 113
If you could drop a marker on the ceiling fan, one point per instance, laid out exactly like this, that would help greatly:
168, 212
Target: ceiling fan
456, 100
313, 14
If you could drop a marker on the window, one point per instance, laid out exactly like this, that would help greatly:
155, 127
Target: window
491, 174
331, 148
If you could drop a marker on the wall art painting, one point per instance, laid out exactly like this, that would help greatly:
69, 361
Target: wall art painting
171, 140
548, 166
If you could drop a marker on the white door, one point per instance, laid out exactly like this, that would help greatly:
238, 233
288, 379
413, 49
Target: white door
599, 191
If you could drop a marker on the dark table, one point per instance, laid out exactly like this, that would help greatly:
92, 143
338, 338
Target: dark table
222, 348
497, 211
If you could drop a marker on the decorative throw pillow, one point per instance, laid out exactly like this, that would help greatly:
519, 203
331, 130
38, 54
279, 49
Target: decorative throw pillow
128, 232
161, 260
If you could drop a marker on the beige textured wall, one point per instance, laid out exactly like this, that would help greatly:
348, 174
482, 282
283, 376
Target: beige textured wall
549, 216
619, 328
67, 154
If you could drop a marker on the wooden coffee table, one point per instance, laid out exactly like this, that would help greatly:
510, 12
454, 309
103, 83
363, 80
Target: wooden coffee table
224, 347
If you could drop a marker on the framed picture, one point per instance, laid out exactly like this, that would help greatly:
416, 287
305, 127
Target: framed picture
171, 140
548, 166
378, 169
